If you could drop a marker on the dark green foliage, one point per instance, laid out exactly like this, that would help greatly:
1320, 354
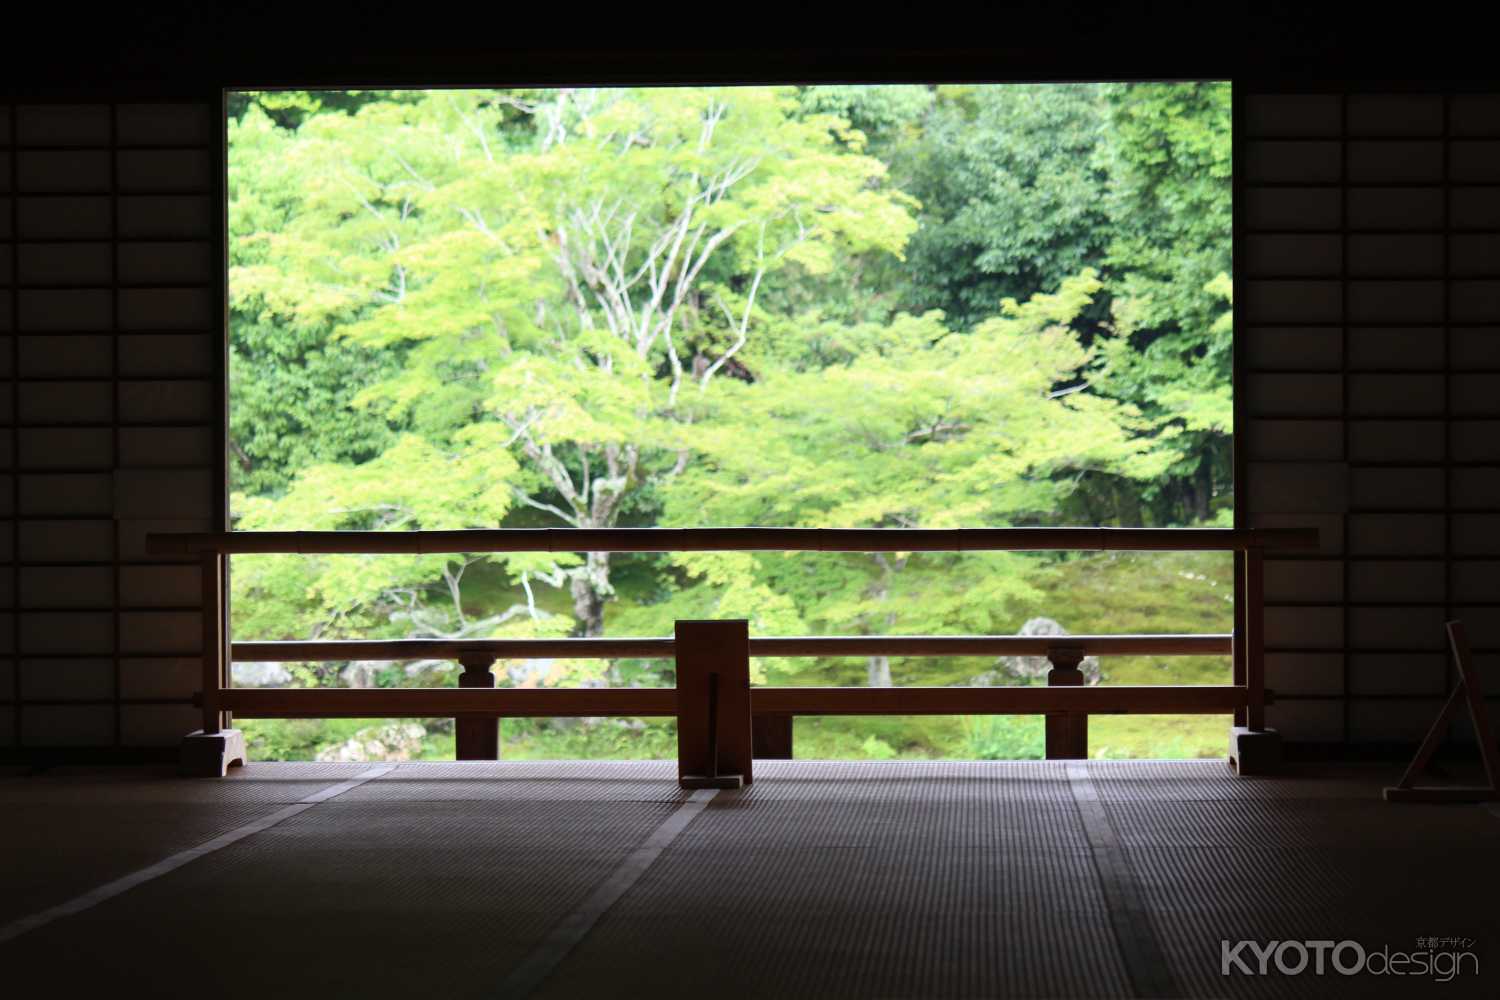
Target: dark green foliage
1012, 192
292, 403
1170, 216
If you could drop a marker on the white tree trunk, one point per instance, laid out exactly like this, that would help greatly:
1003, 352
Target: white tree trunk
591, 589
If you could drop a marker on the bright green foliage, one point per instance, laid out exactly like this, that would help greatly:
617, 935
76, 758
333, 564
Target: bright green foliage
1004, 737
820, 306
293, 381
920, 427
349, 596
557, 299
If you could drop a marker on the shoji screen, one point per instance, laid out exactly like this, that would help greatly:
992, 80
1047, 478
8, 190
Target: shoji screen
1369, 318
111, 320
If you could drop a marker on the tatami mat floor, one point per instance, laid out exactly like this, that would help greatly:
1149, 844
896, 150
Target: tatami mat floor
1109, 878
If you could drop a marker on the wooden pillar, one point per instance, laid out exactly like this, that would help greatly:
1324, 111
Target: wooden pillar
714, 743
1237, 643
214, 673
476, 737
212, 750
771, 736
1067, 732
1255, 639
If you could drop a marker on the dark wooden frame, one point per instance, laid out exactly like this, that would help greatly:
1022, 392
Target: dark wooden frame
1067, 730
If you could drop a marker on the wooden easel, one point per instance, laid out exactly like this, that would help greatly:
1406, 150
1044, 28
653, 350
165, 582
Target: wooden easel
1467, 690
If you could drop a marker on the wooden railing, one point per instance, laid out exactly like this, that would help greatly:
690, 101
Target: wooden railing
477, 704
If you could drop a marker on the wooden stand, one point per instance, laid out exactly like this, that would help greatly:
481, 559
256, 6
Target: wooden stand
714, 742
1467, 691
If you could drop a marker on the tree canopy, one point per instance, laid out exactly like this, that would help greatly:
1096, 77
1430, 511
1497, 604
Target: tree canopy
839, 306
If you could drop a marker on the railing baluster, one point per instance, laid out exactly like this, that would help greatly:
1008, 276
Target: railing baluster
1067, 732
771, 735
476, 737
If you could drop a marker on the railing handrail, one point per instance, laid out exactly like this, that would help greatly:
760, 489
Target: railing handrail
735, 539
291, 703
286, 651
